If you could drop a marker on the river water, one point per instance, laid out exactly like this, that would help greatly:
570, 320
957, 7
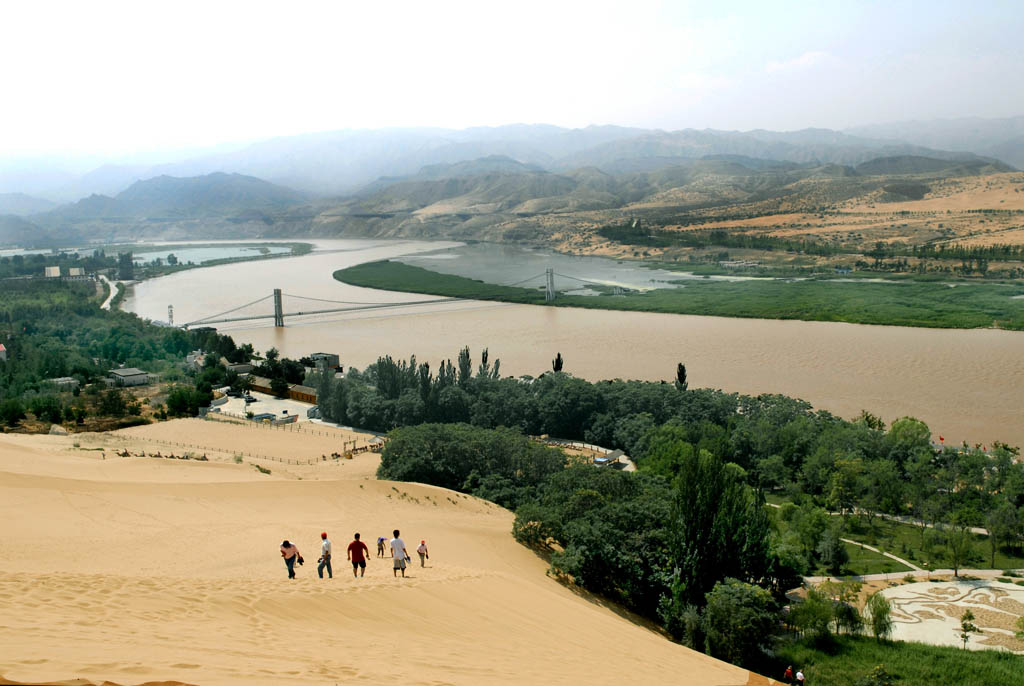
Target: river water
966, 384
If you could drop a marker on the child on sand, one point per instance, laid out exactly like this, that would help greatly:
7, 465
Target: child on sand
380, 546
357, 552
423, 552
291, 554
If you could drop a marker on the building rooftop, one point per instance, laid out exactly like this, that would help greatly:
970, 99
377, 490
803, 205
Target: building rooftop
127, 371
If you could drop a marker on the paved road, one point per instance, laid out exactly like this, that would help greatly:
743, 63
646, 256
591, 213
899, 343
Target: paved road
980, 573
110, 296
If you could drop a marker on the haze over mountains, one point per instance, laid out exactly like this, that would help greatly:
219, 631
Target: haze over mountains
340, 162
428, 182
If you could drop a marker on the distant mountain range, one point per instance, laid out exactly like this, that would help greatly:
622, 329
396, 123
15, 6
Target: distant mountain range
482, 183
1002, 139
20, 204
167, 197
342, 162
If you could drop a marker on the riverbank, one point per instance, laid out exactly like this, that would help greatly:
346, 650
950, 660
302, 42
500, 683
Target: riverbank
896, 303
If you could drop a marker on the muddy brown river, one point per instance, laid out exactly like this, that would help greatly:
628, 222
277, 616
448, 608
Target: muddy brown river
968, 385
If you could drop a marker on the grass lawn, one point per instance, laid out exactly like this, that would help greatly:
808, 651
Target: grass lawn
863, 561
900, 303
846, 660
904, 540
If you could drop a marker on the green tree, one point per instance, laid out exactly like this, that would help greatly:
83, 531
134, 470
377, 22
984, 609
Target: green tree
813, 615
967, 627
719, 529
1003, 524
465, 366
12, 411
843, 486
810, 525
681, 383
832, 551
125, 266
279, 387
739, 622
960, 539
879, 616
113, 403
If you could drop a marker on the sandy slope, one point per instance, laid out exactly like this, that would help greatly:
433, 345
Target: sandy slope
139, 569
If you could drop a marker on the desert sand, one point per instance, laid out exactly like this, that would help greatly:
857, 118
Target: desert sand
141, 569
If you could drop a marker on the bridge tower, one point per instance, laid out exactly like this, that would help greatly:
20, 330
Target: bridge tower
549, 293
170, 315
278, 310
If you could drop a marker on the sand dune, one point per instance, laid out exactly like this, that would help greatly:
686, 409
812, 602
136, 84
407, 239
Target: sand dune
140, 570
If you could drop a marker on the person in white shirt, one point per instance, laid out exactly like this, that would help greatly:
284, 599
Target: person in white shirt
398, 553
423, 552
325, 557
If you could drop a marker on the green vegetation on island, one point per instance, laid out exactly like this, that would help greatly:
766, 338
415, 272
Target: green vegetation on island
960, 305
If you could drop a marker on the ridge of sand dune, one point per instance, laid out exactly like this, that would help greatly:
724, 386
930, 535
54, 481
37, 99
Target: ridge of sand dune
175, 577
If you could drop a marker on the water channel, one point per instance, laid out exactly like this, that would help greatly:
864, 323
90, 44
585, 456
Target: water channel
966, 384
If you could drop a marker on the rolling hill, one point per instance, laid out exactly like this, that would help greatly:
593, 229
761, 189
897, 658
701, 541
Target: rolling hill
22, 205
213, 195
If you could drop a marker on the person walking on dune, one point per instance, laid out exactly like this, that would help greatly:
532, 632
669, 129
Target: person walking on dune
423, 552
398, 554
357, 554
325, 557
380, 546
291, 555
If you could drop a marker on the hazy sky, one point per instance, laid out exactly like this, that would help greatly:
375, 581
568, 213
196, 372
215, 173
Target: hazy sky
116, 78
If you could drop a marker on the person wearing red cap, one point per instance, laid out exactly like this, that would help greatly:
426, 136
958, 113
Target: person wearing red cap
423, 552
325, 557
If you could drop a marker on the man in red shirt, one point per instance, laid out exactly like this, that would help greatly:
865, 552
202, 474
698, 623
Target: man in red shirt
357, 552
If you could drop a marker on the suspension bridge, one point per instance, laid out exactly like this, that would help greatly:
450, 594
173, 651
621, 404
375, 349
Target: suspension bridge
325, 306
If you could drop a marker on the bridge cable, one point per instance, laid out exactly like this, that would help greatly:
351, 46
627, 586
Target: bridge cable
594, 283
509, 285
236, 309
339, 302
